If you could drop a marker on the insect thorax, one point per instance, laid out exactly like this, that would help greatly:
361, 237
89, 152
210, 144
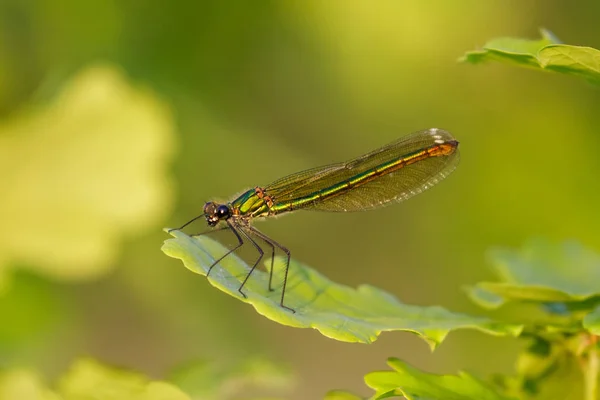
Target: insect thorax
252, 203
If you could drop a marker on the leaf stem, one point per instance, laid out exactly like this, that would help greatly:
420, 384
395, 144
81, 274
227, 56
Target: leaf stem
591, 371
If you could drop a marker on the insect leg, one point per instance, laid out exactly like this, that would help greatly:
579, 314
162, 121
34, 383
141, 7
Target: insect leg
231, 226
221, 228
260, 256
186, 224
287, 263
272, 259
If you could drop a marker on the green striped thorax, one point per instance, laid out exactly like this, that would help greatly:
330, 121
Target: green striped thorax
252, 203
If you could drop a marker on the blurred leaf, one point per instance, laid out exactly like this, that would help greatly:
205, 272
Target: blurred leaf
575, 60
591, 321
208, 380
81, 173
88, 379
483, 297
484, 291
24, 385
541, 272
506, 49
417, 385
337, 311
546, 54
548, 370
341, 395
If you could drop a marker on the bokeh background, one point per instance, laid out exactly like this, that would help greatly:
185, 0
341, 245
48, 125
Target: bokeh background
118, 118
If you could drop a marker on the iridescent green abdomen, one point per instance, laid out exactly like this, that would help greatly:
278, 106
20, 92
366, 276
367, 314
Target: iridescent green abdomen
393, 173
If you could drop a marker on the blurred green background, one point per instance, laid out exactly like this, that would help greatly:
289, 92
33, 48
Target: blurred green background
118, 118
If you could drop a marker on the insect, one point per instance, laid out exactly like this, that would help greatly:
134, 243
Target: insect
392, 173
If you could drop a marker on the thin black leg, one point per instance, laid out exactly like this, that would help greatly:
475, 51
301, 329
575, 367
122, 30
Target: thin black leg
221, 228
260, 256
272, 260
287, 263
186, 224
240, 243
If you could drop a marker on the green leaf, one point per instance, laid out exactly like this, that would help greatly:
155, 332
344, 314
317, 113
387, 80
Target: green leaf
210, 380
24, 384
82, 173
341, 395
544, 54
417, 385
575, 60
513, 50
337, 311
591, 321
87, 379
483, 297
541, 272
548, 369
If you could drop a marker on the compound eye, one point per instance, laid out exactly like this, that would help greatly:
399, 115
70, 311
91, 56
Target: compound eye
222, 211
209, 208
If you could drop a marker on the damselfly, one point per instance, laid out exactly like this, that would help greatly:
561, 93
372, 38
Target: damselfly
392, 173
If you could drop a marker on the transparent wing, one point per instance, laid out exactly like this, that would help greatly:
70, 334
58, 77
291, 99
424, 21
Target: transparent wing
397, 185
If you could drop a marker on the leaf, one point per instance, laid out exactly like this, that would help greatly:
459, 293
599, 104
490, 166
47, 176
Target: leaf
591, 321
80, 174
575, 60
341, 395
337, 311
87, 379
417, 385
545, 54
483, 297
541, 272
549, 369
208, 380
25, 385
515, 50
